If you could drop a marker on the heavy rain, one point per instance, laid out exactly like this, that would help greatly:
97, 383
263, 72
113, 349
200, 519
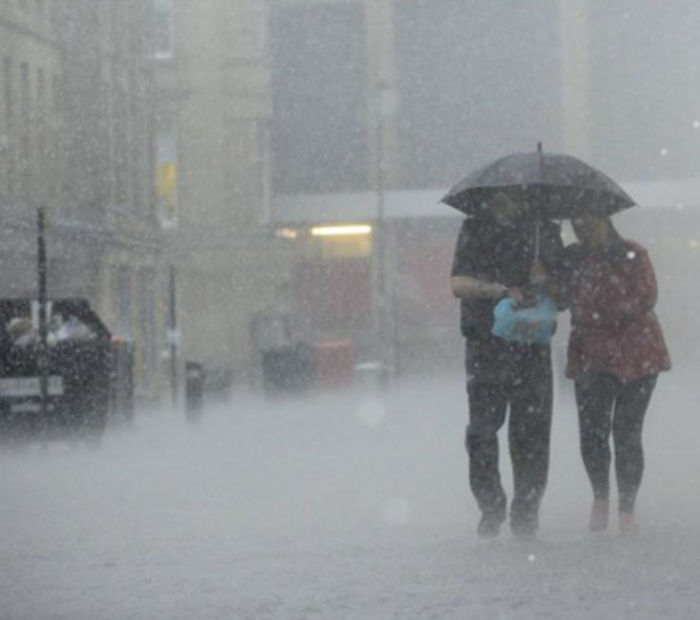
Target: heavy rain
243, 245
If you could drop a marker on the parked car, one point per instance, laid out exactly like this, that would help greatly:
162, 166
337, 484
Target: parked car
89, 375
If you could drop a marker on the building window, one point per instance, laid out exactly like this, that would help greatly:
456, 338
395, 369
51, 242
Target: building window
40, 88
25, 144
265, 169
318, 72
461, 84
121, 146
164, 29
24, 87
55, 94
5, 139
41, 113
655, 136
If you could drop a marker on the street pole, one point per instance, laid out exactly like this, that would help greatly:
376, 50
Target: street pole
381, 247
172, 336
42, 357
387, 330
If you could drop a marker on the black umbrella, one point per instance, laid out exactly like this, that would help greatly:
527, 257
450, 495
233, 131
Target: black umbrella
556, 186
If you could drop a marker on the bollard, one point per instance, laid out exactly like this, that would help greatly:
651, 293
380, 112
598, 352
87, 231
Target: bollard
194, 389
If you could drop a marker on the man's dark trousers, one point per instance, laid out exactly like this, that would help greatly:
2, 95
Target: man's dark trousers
503, 375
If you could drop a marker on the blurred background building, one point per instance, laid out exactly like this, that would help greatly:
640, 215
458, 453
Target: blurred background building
379, 106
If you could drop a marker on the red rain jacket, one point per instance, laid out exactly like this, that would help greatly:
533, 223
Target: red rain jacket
614, 328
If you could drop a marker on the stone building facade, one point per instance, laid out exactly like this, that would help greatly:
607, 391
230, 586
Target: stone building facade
76, 137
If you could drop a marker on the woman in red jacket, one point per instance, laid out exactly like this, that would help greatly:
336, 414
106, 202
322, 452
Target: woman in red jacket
616, 350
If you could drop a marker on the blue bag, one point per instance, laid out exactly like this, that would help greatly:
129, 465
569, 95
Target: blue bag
531, 325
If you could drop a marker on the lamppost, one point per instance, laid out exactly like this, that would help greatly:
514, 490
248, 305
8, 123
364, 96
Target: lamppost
43, 353
385, 109
173, 334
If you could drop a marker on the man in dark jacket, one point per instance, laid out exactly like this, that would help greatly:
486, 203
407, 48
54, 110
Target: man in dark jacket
496, 257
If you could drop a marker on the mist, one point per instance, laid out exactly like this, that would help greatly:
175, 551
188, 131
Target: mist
199, 164
339, 506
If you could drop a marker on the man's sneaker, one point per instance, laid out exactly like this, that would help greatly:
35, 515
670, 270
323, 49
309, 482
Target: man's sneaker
600, 513
490, 525
628, 526
524, 529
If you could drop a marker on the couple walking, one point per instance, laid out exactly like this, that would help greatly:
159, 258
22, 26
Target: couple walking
615, 352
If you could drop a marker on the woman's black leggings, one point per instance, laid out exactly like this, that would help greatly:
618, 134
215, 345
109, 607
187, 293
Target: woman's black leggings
606, 403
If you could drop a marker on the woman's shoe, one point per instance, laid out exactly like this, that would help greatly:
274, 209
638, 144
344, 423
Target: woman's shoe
628, 526
600, 512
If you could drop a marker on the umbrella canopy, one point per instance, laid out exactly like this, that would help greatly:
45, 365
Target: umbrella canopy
557, 186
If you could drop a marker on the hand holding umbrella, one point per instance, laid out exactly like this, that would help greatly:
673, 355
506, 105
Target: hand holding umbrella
526, 296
